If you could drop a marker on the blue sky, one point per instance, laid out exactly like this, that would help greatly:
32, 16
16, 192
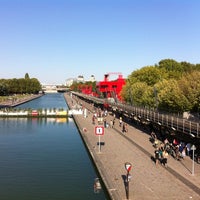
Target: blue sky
54, 40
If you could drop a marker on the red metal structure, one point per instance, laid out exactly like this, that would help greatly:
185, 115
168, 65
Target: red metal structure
111, 88
86, 89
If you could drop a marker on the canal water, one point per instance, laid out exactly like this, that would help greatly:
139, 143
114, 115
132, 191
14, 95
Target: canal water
45, 159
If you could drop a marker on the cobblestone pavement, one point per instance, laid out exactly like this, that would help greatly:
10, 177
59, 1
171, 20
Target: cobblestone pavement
148, 182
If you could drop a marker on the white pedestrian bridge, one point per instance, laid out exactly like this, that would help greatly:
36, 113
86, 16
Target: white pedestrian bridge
52, 88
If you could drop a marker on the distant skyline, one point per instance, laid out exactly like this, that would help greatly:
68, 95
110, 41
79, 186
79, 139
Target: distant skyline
53, 40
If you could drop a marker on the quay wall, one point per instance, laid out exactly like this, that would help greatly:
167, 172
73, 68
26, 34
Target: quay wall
11, 103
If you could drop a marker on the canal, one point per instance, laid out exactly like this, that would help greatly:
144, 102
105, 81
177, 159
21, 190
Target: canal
45, 159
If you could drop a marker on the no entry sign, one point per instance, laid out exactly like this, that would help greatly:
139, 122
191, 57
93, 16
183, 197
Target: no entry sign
99, 130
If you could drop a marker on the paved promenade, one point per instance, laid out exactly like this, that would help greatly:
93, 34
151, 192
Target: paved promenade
148, 182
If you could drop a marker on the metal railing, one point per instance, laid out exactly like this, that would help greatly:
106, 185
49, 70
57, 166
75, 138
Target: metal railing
173, 122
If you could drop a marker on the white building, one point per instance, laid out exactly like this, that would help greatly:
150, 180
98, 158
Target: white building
92, 78
80, 78
70, 81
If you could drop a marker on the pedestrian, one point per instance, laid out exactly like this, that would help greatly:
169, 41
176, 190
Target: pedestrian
188, 148
114, 116
153, 137
155, 143
93, 119
111, 123
123, 128
156, 152
177, 153
183, 153
175, 142
105, 122
120, 121
126, 127
164, 158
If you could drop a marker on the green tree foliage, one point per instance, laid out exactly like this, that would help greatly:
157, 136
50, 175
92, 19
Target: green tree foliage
79, 86
190, 86
169, 85
3, 87
173, 69
138, 93
149, 74
34, 86
170, 97
170, 65
27, 76
19, 86
74, 87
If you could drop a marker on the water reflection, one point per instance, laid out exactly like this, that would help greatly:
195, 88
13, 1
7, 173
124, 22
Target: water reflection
17, 121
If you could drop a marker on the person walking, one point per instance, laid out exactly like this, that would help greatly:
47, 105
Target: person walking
120, 121
164, 158
93, 119
156, 152
105, 122
126, 127
123, 128
111, 123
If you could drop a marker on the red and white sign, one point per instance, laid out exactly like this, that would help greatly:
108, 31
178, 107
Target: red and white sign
128, 166
99, 130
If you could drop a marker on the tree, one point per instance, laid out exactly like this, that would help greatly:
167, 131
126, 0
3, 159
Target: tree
13, 85
137, 93
3, 88
190, 86
35, 86
27, 76
149, 74
173, 68
19, 86
172, 86
170, 97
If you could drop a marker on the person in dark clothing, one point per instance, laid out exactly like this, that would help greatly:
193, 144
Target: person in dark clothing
156, 155
123, 128
164, 158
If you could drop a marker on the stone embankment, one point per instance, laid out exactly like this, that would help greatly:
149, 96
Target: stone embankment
41, 112
12, 102
148, 181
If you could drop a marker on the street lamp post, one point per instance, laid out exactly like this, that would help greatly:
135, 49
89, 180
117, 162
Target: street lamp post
193, 148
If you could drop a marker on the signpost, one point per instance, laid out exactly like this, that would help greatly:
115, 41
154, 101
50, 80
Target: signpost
99, 130
193, 148
128, 167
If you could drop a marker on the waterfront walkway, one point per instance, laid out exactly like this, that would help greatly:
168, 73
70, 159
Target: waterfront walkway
148, 182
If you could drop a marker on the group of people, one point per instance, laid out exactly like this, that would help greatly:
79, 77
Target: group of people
161, 155
101, 117
177, 149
